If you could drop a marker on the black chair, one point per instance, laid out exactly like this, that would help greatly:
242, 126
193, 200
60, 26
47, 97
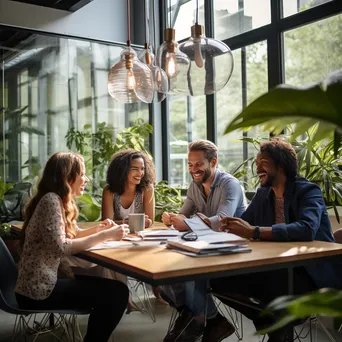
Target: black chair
27, 322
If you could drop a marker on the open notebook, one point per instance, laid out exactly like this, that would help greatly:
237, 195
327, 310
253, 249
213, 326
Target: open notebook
209, 242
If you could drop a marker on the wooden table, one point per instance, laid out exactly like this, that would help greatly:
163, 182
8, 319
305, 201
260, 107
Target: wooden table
158, 265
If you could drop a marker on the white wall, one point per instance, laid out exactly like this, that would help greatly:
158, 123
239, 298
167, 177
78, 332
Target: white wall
100, 19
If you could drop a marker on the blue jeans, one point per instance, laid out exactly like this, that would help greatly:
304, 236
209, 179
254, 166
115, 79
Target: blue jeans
197, 299
193, 295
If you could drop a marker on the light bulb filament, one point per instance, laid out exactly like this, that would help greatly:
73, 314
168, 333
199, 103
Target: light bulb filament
131, 84
171, 68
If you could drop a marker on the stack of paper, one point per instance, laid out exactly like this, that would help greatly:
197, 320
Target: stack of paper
208, 242
166, 234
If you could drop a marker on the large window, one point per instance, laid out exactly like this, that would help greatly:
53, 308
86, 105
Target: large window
187, 123
291, 7
273, 41
235, 16
313, 51
48, 86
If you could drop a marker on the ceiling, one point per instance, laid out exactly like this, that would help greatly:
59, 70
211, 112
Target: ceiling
67, 5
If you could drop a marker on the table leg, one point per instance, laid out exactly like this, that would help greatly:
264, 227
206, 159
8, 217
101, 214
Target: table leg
289, 330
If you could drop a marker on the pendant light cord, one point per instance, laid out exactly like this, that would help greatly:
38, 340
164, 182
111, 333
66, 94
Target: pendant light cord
170, 16
196, 12
145, 26
129, 22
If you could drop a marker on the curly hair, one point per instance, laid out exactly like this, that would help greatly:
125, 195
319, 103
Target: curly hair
283, 155
119, 168
59, 173
210, 149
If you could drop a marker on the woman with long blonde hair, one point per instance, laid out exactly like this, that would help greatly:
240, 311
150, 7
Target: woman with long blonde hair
50, 234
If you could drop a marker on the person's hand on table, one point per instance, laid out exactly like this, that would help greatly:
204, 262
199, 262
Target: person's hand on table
107, 223
117, 232
166, 218
177, 221
148, 221
237, 226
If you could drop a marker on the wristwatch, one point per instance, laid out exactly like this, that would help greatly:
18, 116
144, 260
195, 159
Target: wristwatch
256, 234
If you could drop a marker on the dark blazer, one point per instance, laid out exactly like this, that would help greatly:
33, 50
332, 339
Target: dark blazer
306, 219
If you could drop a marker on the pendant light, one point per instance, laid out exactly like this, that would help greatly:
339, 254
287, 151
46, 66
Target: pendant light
129, 80
212, 61
158, 74
175, 63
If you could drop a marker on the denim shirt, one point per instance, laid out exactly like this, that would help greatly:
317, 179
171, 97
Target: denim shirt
306, 219
225, 199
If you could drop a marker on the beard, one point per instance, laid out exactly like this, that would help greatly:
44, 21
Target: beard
270, 178
205, 177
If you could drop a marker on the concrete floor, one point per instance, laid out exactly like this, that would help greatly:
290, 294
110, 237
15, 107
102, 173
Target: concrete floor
138, 327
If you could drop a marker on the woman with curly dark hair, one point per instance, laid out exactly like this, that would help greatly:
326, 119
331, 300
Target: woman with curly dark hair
130, 179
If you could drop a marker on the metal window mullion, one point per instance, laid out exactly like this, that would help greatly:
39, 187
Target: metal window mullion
211, 115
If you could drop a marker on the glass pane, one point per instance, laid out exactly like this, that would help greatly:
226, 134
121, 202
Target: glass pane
249, 81
291, 7
184, 16
313, 51
233, 17
50, 85
187, 123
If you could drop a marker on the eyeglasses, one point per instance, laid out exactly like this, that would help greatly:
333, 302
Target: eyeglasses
189, 236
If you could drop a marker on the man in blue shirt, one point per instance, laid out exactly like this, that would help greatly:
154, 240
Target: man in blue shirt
213, 193
285, 208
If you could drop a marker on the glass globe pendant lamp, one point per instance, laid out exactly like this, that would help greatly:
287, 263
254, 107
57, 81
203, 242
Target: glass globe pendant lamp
158, 74
130, 81
212, 62
175, 63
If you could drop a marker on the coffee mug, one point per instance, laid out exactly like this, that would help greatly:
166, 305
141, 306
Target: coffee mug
136, 222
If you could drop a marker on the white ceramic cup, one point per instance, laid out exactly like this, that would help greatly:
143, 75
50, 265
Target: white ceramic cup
136, 222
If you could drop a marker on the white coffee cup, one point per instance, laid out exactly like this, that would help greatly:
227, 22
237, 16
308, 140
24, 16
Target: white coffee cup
136, 222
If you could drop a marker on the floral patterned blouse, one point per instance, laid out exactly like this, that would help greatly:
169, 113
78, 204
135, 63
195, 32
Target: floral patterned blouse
44, 249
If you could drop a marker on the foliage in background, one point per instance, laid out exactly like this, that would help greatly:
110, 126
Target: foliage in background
3, 188
98, 148
167, 199
319, 104
5, 231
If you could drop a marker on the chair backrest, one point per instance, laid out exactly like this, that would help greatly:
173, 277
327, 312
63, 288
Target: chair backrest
8, 278
338, 235
12, 206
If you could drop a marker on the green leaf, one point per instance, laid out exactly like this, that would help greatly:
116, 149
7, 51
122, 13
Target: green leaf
320, 102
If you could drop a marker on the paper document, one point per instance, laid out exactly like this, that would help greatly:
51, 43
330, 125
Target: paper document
111, 244
200, 246
241, 249
125, 244
205, 233
162, 232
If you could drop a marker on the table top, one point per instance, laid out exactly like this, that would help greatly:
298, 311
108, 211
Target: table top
159, 265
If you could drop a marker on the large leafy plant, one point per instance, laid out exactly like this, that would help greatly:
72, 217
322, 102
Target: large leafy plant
304, 107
